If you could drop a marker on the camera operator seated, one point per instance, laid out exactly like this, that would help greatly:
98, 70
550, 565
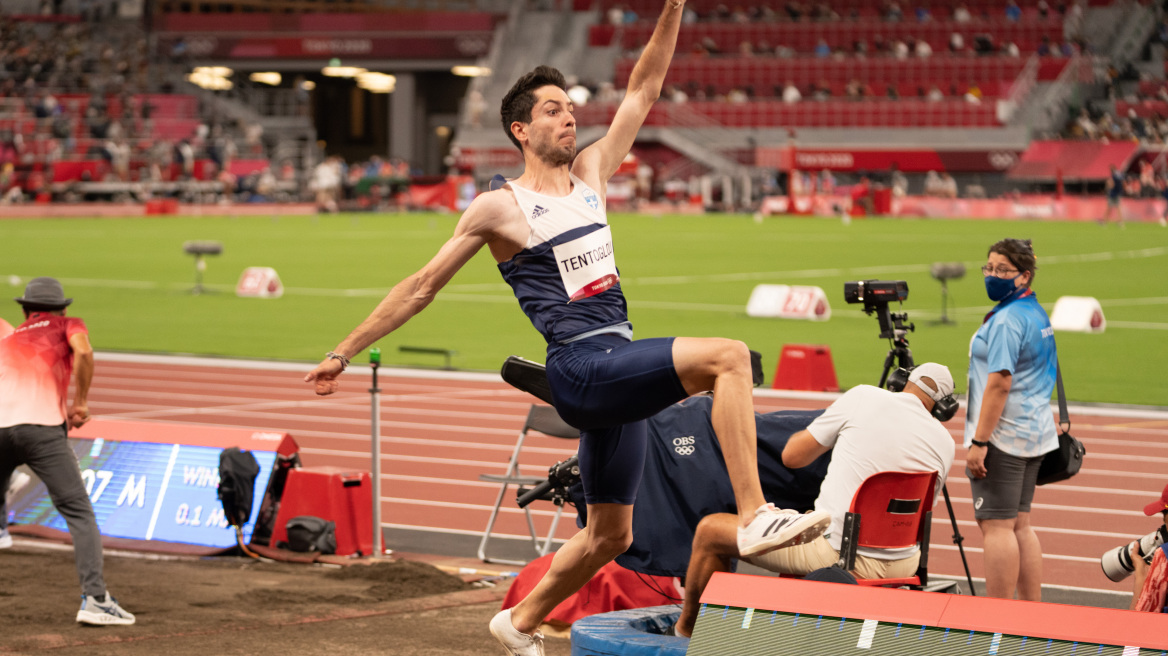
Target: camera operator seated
868, 430
1151, 581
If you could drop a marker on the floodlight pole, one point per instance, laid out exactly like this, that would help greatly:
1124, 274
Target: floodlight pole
375, 393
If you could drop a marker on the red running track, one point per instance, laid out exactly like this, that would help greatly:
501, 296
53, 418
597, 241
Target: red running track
440, 430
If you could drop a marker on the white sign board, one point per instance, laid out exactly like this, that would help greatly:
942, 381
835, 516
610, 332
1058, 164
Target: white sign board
1078, 314
259, 282
789, 302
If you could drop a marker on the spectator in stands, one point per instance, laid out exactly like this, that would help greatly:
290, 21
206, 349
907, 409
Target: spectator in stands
1008, 425
794, 10
1044, 47
855, 429
923, 49
326, 183
923, 14
899, 49
961, 14
616, 15
897, 181
956, 43
1043, 9
822, 50
791, 93
947, 187
10, 191
973, 94
1161, 186
892, 12
891, 93
1150, 584
932, 184
935, 94
1013, 11
821, 92
1114, 188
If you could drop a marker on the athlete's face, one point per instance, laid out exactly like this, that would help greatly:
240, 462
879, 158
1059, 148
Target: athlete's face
552, 131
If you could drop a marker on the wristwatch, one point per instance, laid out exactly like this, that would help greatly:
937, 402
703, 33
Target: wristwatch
978, 443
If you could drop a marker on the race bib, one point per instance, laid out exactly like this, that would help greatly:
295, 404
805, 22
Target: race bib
587, 266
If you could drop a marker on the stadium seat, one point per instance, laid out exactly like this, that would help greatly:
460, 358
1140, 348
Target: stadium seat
891, 510
543, 419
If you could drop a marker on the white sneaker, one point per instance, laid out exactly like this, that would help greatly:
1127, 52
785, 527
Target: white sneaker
102, 612
773, 528
514, 642
5, 539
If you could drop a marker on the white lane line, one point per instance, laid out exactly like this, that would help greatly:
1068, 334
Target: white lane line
1110, 535
1084, 509
389, 406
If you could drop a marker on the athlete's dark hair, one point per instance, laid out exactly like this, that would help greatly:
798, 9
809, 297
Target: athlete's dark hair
1020, 252
520, 100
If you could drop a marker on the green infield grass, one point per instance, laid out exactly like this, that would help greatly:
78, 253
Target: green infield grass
683, 275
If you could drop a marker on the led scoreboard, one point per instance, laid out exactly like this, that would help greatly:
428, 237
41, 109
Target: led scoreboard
155, 481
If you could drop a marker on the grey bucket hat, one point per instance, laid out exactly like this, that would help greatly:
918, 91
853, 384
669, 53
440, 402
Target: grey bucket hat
44, 292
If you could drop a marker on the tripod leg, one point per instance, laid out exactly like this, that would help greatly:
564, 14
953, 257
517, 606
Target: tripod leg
958, 539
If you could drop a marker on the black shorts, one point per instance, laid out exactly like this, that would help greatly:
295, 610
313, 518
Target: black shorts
607, 387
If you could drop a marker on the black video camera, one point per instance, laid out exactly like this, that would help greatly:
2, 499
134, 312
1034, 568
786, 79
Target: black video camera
873, 293
561, 476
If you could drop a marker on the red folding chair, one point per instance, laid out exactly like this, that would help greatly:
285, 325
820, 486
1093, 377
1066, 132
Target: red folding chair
897, 511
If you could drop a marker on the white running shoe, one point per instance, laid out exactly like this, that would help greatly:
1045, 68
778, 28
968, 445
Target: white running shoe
102, 612
773, 528
514, 642
5, 539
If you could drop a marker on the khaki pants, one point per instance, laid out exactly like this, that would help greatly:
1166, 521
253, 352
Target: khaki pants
802, 559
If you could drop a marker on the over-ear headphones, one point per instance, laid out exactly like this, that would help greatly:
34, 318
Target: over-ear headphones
943, 408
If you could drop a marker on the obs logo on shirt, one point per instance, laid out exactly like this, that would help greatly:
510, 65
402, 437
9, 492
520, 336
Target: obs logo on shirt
591, 199
684, 446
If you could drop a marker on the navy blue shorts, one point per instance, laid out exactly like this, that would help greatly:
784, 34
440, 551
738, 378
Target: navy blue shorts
607, 387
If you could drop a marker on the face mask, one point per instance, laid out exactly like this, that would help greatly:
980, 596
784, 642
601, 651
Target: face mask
999, 289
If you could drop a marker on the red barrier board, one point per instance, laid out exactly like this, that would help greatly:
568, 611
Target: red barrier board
997, 620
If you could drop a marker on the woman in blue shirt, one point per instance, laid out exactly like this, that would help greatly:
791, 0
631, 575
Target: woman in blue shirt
1009, 425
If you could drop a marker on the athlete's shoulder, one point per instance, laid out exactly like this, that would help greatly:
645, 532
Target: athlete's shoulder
493, 206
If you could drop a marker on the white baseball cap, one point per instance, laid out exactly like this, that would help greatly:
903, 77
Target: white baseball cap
939, 374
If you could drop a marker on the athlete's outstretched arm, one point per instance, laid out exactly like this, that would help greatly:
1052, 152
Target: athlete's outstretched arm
412, 295
603, 157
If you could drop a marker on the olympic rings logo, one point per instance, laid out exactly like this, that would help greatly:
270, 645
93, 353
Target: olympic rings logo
684, 446
684, 450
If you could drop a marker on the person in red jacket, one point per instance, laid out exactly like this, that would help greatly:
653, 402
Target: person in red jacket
37, 361
1150, 593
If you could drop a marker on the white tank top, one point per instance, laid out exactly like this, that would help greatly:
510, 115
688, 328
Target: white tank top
577, 228
565, 278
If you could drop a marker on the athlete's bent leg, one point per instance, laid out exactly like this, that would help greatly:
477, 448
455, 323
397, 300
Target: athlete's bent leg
608, 534
723, 365
714, 546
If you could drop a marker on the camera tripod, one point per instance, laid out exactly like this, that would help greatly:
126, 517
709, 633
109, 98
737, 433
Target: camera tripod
893, 328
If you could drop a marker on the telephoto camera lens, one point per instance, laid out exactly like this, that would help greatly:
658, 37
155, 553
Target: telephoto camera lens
1117, 563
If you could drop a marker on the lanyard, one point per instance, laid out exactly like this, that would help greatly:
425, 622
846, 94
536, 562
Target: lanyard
1029, 292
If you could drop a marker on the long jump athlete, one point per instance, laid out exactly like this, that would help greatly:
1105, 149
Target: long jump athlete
549, 232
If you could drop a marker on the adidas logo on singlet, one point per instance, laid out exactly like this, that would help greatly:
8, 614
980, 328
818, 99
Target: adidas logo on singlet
539, 211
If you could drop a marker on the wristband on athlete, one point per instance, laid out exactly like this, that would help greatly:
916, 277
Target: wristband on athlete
979, 443
337, 356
